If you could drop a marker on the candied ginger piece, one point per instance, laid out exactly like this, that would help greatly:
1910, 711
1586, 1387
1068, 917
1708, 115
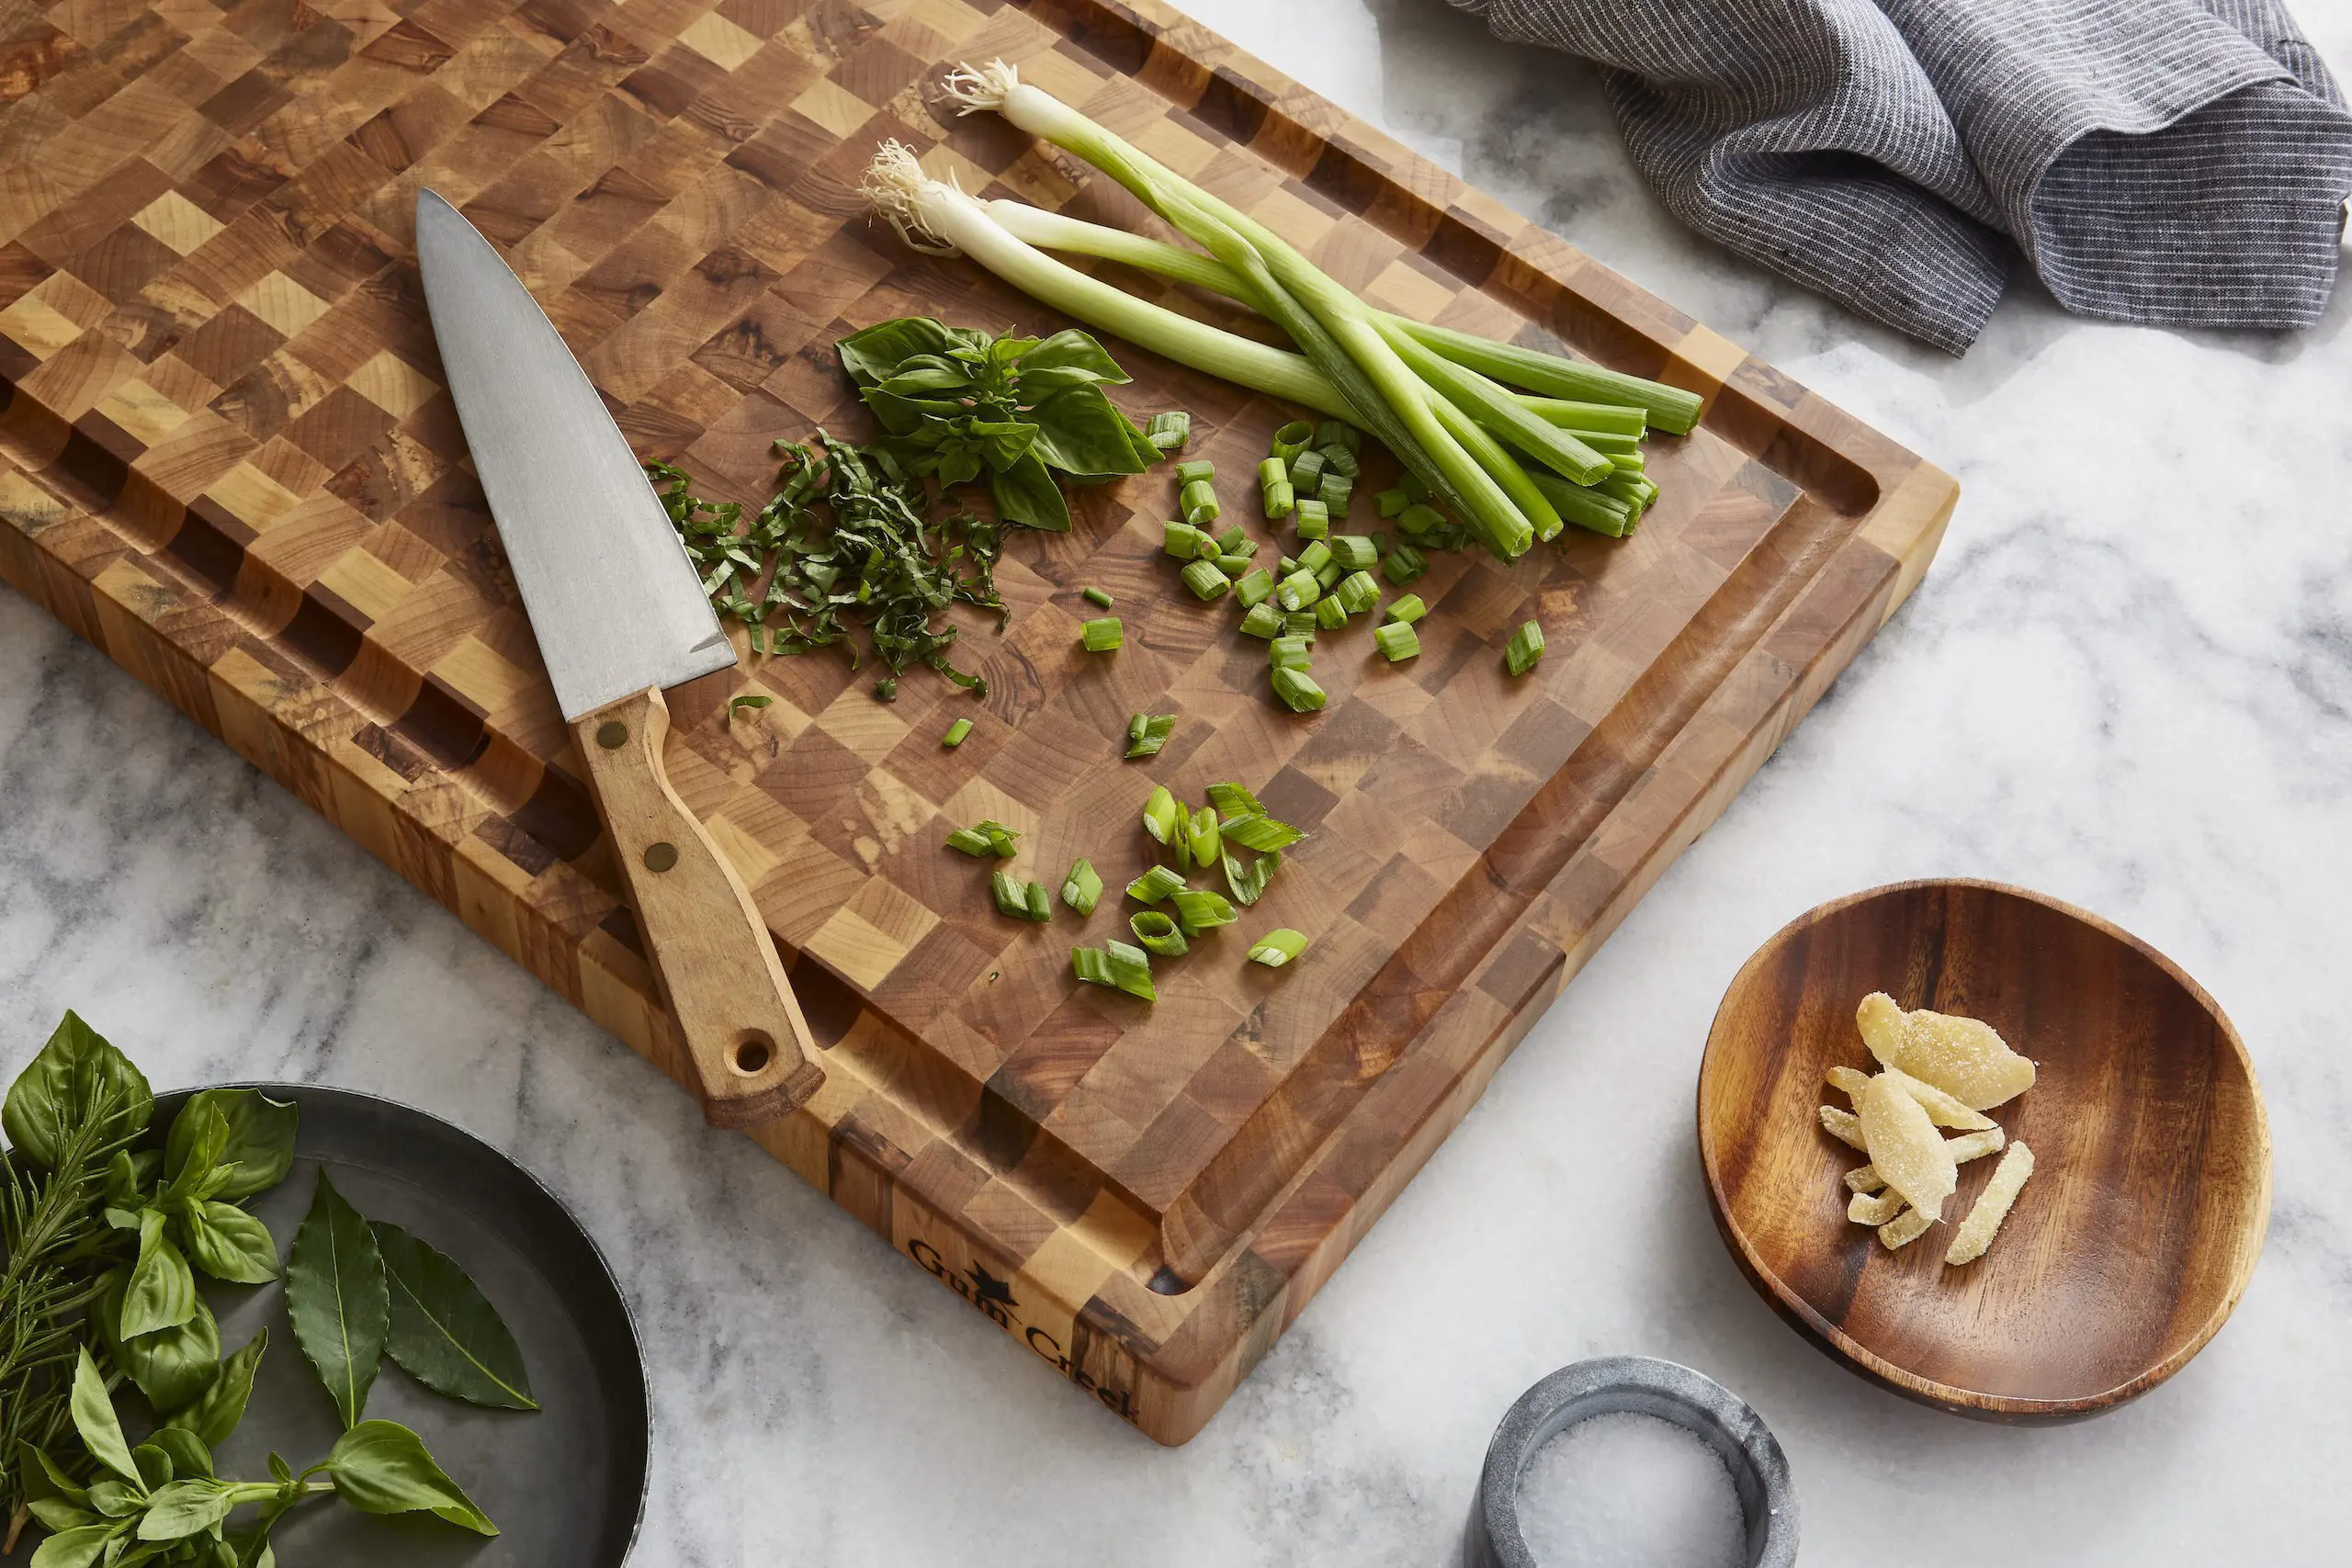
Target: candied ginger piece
1975, 1145
1864, 1178
1906, 1146
1843, 1126
1941, 1108
1903, 1229
1848, 1081
1984, 1221
1866, 1210
1963, 1056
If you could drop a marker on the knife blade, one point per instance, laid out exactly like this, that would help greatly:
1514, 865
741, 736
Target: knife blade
619, 614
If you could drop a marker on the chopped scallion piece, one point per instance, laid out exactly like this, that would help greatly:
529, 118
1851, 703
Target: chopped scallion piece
1153, 885
740, 703
1263, 620
1406, 610
1158, 933
1247, 884
1198, 502
1184, 542
1314, 557
1298, 691
1330, 615
1392, 502
1041, 903
1338, 433
985, 837
1272, 473
1405, 564
1278, 947
1306, 470
1330, 572
1253, 587
1314, 518
1203, 838
1198, 468
1259, 831
1028, 902
1161, 814
1234, 541
1204, 580
1281, 501
1115, 965
1289, 653
1333, 493
1354, 551
1198, 910
1147, 732
955, 733
1421, 518
1169, 432
1298, 591
1338, 460
1299, 623
1232, 800
1235, 565
1291, 439
1526, 647
1398, 640
1082, 889
1357, 593
1102, 635
1098, 596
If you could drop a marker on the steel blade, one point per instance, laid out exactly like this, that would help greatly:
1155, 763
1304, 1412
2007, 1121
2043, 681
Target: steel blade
612, 599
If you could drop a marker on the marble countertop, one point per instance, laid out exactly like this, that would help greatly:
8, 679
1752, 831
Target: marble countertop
2127, 682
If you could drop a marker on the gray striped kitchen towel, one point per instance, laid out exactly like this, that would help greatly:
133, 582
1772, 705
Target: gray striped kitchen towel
2179, 162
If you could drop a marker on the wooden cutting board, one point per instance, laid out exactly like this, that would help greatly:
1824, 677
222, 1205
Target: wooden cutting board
236, 469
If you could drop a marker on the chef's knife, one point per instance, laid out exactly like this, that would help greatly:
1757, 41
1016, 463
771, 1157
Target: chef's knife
619, 614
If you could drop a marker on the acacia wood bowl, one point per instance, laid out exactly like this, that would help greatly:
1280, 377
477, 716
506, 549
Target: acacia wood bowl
2150, 1188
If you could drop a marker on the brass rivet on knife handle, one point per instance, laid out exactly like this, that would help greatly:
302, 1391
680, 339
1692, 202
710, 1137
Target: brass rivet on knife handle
710, 950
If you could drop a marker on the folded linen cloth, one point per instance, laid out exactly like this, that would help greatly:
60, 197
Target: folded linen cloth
2179, 162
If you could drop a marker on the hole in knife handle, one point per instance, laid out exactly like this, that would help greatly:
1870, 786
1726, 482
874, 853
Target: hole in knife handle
752, 1053
612, 735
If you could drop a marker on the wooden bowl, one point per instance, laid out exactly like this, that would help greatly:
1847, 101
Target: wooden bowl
2150, 1188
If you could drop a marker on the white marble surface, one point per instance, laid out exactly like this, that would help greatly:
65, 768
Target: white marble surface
2127, 681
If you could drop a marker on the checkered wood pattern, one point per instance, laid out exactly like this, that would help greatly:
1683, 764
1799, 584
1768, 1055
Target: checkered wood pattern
236, 468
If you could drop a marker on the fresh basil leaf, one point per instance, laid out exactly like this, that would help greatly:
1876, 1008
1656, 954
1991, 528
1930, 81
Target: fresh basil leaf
1079, 433
1071, 354
94, 1418
175, 1366
381, 1467
901, 416
1025, 493
75, 1547
444, 1331
212, 1415
336, 1296
56, 1514
63, 1084
162, 1291
154, 1465
117, 1499
958, 468
189, 1454
873, 353
185, 1508
928, 378
1003, 441
37, 1476
228, 1244
258, 1138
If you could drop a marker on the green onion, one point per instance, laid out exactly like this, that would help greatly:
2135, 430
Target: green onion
985, 837
1330, 572
1587, 508
1022, 902
1306, 470
1391, 502
1115, 965
1235, 541
1102, 635
1299, 623
1291, 439
1314, 518
1406, 610
955, 733
1338, 433
1422, 518
1289, 653
1333, 493
1198, 468
1204, 580
1158, 933
1155, 884
1263, 620
1357, 593
1272, 473
1147, 732
1298, 591
1338, 460
1182, 541
1248, 884
1201, 837
1281, 501
1398, 640
1198, 502
1589, 420
1161, 814
1233, 800
1198, 910
1669, 408
1314, 557
1330, 615
1278, 947
1259, 831
1298, 691
1405, 564
1097, 596
1526, 647
1169, 432
1253, 587
1354, 551
1082, 889
740, 703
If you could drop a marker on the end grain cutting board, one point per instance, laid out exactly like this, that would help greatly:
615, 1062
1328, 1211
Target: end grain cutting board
235, 468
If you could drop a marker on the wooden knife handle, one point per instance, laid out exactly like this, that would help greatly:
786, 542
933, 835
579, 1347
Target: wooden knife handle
712, 955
